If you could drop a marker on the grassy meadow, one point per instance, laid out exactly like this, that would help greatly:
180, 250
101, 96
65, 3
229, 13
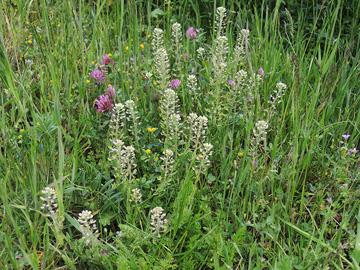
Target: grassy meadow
179, 134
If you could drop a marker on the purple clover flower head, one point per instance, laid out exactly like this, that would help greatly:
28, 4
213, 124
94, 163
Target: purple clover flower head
232, 82
186, 56
197, 30
275, 160
191, 33
98, 75
346, 136
255, 163
261, 72
110, 91
106, 60
175, 84
104, 103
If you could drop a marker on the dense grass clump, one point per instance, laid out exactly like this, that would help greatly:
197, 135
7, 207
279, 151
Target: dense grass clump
188, 135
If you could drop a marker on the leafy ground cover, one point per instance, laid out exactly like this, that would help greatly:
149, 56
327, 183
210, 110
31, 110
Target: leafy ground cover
187, 135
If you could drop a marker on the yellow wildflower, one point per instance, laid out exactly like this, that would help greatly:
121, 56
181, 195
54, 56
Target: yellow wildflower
38, 124
126, 48
137, 179
71, 100
156, 159
51, 81
155, 83
241, 154
20, 136
109, 54
87, 81
30, 41
142, 46
22, 130
148, 36
148, 151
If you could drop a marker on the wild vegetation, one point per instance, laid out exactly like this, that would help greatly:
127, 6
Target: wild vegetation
179, 135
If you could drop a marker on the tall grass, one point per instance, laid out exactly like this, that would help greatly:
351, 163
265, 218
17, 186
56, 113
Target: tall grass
235, 192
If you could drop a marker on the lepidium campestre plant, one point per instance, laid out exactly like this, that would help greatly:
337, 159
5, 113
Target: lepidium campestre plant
117, 121
197, 126
171, 126
132, 117
161, 59
124, 161
239, 50
176, 44
220, 16
275, 98
203, 159
167, 166
51, 210
158, 221
88, 227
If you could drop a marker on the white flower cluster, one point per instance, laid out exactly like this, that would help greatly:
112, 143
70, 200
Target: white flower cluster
204, 158
275, 98
88, 227
219, 58
260, 130
197, 128
116, 121
239, 49
162, 66
158, 220
201, 53
135, 196
220, 16
168, 163
171, 126
158, 39
124, 157
49, 199
192, 84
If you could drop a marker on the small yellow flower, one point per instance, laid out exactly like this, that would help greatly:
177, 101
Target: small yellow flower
116, 35
109, 85
241, 154
148, 151
241, 63
51, 81
343, 152
156, 159
22, 130
16, 10
112, 27
87, 81
27, 23
109, 54
70, 95
132, 40
38, 124
71, 100
145, 175
30, 36
199, 155
55, 44
153, 129
137, 179
148, 36
86, 21
142, 46
155, 83
20, 136
30, 41
126, 48
93, 62
58, 25
73, 87
52, 22
347, 62
52, 53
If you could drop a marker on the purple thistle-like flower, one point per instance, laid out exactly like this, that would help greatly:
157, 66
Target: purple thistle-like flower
191, 33
261, 72
110, 91
346, 136
175, 84
104, 103
106, 60
98, 75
